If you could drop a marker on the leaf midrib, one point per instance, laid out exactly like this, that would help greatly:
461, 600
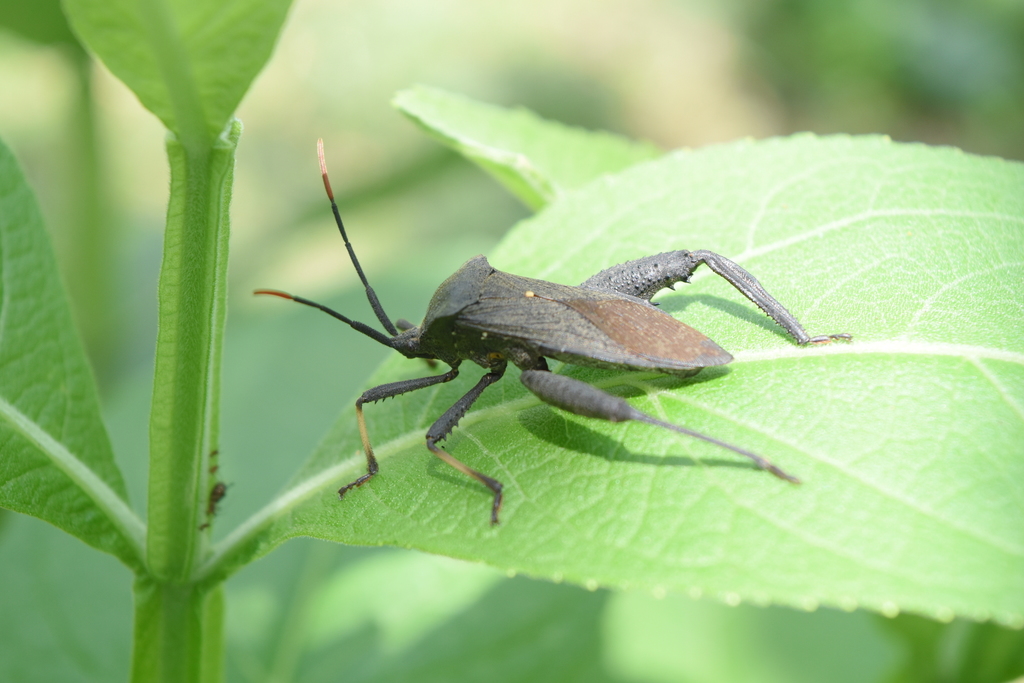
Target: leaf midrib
121, 516
886, 346
176, 68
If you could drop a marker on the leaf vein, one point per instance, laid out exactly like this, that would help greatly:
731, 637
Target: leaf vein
114, 508
976, 534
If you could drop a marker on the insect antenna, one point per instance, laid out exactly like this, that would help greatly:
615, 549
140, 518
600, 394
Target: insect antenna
354, 324
370, 294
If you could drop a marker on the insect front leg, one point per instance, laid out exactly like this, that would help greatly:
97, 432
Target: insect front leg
581, 398
379, 393
645, 277
447, 422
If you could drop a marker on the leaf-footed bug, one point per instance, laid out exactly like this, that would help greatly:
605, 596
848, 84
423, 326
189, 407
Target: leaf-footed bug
492, 318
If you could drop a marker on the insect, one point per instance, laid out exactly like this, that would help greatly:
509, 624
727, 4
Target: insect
492, 318
217, 493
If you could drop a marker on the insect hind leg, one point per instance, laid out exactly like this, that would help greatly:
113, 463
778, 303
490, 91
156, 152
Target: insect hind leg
586, 400
645, 277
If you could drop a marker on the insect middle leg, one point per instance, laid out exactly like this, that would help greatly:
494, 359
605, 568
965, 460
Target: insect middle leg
447, 422
379, 393
581, 398
645, 277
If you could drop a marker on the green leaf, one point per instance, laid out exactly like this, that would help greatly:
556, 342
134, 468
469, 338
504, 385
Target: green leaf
909, 439
401, 616
520, 631
959, 652
67, 609
536, 160
188, 61
673, 638
57, 463
41, 21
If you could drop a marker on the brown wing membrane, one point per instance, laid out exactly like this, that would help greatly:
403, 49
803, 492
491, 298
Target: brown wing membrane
650, 333
586, 327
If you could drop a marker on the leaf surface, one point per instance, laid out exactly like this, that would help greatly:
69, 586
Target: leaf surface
427, 619
535, 159
67, 609
56, 461
909, 439
188, 61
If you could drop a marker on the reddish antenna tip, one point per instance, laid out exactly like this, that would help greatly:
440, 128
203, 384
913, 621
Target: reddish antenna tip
323, 168
274, 292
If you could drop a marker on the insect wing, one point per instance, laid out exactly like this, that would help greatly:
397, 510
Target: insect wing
591, 329
647, 332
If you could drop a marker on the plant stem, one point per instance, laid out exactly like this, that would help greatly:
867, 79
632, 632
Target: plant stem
89, 233
179, 632
192, 298
178, 622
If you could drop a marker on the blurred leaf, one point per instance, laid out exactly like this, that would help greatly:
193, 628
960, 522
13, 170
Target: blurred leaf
57, 463
188, 61
521, 631
960, 652
403, 616
536, 160
673, 638
942, 72
40, 20
66, 609
909, 440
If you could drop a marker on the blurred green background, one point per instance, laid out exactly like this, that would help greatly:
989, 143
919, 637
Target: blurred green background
678, 73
